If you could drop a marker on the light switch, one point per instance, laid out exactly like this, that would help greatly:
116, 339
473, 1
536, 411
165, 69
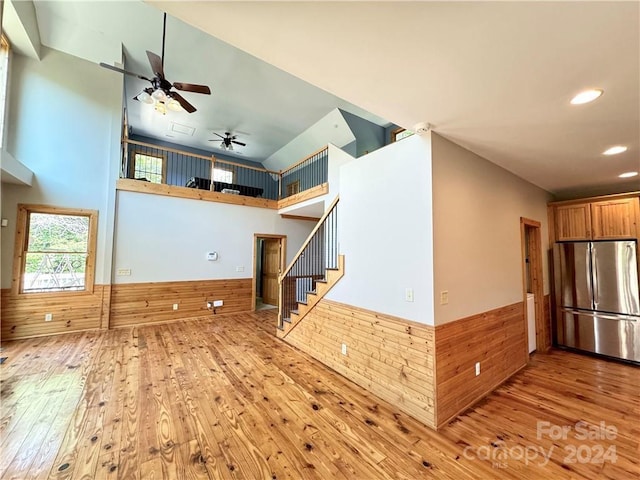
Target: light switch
444, 297
408, 295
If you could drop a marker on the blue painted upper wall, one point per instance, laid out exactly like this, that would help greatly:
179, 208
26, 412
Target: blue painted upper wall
369, 136
197, 151
180, 168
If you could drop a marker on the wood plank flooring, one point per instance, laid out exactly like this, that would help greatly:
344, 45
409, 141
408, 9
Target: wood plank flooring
222, 398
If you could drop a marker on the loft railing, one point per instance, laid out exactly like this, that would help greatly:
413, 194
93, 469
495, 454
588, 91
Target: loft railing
158, 164
305, 174
317, 254
153, 163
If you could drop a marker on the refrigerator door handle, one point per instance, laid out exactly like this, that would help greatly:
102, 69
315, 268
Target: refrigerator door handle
593, 282
608, 316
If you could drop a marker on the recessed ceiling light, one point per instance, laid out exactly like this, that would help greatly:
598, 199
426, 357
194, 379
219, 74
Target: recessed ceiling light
615, 150
586, 96
628, 174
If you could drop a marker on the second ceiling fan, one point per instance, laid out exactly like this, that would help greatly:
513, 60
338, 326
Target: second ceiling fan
228, 140
161, 88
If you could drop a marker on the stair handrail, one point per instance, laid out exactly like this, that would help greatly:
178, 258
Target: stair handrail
309, 238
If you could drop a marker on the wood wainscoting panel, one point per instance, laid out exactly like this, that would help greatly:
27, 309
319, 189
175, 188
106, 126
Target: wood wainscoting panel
23, 315
143, 303
497, 339
390, 357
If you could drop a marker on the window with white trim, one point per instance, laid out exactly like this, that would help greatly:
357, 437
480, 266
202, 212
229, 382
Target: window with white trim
222, 175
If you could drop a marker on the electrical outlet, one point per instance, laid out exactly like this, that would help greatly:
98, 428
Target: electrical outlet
48, 317
477, 368
408, 294
175, 306
218, 303
123, 272
344, 348
240, 269
444, 297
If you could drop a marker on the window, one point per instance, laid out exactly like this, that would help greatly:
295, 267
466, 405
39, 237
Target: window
400, 133
293, 188
222, 175
4, 82
56, 249
149, 167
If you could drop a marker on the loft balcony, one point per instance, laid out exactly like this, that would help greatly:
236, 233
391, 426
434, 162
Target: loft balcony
161, 170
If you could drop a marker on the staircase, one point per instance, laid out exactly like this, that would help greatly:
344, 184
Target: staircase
315, 269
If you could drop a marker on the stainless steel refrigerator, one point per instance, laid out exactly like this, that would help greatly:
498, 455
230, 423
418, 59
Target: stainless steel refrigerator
597, 298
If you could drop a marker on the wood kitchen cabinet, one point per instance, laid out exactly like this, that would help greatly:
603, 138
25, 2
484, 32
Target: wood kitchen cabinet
602, 218
615, 219
573, 222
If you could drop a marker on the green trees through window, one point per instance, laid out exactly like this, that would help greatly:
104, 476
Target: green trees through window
148, 167
58, 249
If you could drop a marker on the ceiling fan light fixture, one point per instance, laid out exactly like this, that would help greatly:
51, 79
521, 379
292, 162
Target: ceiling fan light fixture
144, 97
587, 96
615, 150
174, 105
161, 108
159, 95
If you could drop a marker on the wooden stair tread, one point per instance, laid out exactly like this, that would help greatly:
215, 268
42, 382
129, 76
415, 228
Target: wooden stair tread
332, 276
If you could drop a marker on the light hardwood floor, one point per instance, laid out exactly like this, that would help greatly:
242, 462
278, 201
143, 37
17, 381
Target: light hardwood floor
222, 398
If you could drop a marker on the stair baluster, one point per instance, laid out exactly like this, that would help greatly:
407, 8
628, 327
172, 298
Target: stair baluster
318, 253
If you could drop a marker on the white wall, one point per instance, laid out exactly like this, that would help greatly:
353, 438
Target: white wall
385, 230
476, 224
165, 239
64, 125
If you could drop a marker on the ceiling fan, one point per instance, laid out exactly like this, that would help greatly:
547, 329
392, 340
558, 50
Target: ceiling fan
161, 89
227, 141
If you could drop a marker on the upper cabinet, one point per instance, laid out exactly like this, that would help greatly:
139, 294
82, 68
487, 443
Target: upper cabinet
573, 222
614, 219
600, 218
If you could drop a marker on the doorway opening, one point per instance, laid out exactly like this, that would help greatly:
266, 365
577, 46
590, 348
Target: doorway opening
269, 253
532, 285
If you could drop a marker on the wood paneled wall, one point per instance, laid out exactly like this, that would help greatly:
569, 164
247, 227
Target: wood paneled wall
497, 339
23, 315
142, 303
391, 357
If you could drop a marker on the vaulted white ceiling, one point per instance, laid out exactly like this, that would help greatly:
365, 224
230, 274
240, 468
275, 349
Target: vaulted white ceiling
495, 77
265, 106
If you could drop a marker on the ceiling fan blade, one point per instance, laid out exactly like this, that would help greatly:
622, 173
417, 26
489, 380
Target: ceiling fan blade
156, 64
186, 105
119, 70
190, 87
239, 143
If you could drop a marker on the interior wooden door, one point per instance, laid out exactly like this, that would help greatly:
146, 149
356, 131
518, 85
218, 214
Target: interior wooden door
270, 270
